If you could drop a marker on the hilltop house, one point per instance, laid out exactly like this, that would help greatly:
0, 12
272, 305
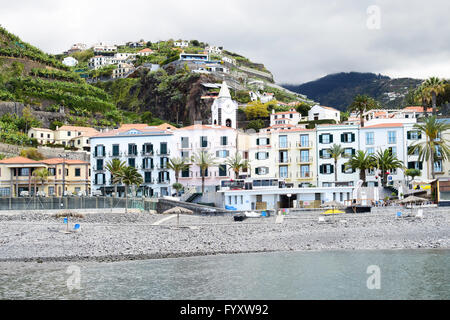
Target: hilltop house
214, 50
291, 117
324, 113
122, 70
70, 61
181, 44
145, 52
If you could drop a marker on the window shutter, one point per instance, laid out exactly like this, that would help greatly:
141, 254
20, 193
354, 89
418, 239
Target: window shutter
257, 155
331, 169
321, 169
217, 154
353, 152
331, 138
343, 168
143, 164
408, 135
267, 155
353, 137
320, 138
321, 153
342, 137
256, 170
420, 134
228, 153
257, 142
268, 140
420, 166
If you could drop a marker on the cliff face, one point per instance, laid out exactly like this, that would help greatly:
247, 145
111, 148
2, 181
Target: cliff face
174, 97
46, 118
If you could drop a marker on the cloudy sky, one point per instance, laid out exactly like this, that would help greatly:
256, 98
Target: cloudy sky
297, 40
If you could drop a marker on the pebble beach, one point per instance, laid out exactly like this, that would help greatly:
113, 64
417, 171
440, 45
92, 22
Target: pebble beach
106, 237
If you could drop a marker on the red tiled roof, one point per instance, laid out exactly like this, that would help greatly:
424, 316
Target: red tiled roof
146, 50
60, 160
416, 109
205, 127
76, 128
19, 160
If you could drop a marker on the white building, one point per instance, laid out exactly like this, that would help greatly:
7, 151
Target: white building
70, 61
380, 137
229, 60
324, 113
99, 61
291, 117
104, 48
347, 136
122, 70
181, 44
214, 50
224, 109
145, 52
148, 149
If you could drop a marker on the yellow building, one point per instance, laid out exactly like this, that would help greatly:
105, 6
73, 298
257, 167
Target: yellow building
16, 177
66, 135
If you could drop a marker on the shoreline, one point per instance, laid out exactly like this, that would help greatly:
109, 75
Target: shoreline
133, 237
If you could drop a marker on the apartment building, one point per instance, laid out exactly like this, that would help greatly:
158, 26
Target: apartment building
42, 135
146, 148
65, 177
347, 136
219, 141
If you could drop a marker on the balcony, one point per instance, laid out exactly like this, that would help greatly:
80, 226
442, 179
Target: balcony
99, 169
304, 145
184, 146
115, 155
165, 182
304, 160
146, 168
283, 161
99, 155
147, 153
163, 152
204, 146
162, 167
304, 175
282, 146
131, 155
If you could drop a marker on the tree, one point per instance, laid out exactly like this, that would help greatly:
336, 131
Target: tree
256, 110
433, 86
115, 168
435, 145
236, 163
413, 173
362, 104
40, 175
361, 161
420, 96
203, 160
177, 165
130, 176
178, 187
147, 117
31, 153
336, 151
255, 125
385, 161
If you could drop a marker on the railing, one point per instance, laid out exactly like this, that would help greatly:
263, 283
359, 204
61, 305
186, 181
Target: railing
99, 155
112, 155
163, 153
283, 161
206, 145
304, 159
306, 145
131, 154
99, 168
148, 154
161, 167
286, 145
146, 168
180, 146
304, 175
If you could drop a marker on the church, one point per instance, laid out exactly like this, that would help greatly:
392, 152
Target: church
224, 109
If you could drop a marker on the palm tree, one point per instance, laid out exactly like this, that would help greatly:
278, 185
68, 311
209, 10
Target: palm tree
130, 176
361, 161
115, 167
237, 163
435, 144
386, 161
421, 96
361, 104
433, 86
177, 165
203, 160
40, 175
336, 151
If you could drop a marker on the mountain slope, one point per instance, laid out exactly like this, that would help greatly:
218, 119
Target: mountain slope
338, 90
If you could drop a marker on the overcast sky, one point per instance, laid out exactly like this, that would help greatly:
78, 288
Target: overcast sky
297, 40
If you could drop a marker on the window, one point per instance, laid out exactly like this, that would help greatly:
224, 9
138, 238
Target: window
42, 135
262, 155
325, 154
185, 173
393, 151
147, 148
132, 149
347, 137
163, 162
326, 138
132, 162
51, 191
327, 184
415, 153
184, 142
147, 163
48, 136
327, 169
69, 133
283, 157
283, 142
203, 142
185, 155
349, 152
99, 151
99, 164
115, 150
370, 151
148, 177
262, 141
438, 166
262, 170
415, 165
304, 171
222, 153
346, 170
224, 141
392, 137
283, 171
77, 172
370, 140
163, 147
222, 170
304, 155
304, 140
414, 135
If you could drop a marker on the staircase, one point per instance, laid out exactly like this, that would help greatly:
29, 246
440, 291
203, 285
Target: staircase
193, 197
